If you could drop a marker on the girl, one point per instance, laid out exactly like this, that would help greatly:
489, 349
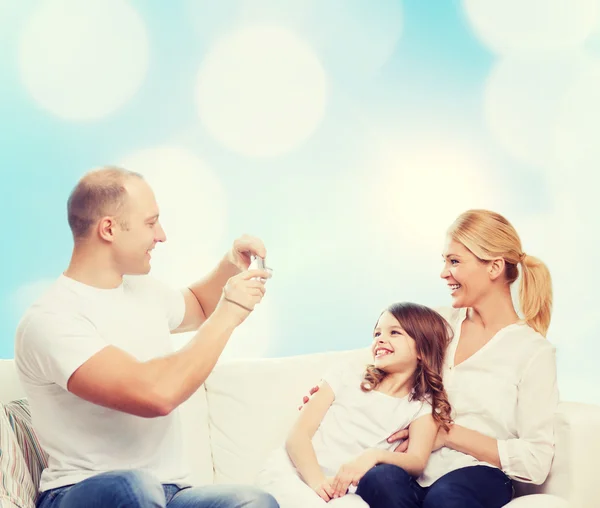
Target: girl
342, 431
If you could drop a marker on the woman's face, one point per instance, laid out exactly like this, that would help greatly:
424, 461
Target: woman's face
468, 277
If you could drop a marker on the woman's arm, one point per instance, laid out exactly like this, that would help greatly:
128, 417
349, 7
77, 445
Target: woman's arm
527, 458
471, 442
299, 442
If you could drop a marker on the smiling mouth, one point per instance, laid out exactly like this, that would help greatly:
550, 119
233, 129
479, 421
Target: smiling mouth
381, 352
454, 287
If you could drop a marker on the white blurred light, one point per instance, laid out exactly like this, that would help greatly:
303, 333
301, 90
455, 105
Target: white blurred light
528, 26
261, 91
193, 212
419, 190
579, 124
355, 37
523, 99
83, 60
27, 294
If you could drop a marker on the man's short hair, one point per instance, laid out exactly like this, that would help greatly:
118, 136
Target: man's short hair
99, 193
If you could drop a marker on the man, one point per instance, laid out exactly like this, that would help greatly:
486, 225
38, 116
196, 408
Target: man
95, 359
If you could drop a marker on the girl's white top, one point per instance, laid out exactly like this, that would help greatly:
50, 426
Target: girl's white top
508, 391
358, 421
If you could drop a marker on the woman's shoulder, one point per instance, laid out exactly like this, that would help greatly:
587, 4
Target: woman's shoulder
530, 339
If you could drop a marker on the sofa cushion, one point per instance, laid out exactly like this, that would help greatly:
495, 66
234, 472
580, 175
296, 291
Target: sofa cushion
253, 403
538, 501
196, 438
16, 485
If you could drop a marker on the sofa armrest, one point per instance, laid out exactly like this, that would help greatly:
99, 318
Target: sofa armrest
577, 437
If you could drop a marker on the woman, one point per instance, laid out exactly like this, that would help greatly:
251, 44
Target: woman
500, 376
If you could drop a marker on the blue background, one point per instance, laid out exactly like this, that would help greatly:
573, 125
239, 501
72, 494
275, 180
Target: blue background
409, 113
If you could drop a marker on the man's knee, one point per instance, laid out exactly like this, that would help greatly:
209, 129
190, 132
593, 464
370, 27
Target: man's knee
133, 488
257, 498
382, 476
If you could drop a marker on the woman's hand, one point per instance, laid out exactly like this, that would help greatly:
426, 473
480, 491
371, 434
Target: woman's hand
402, 437
351, 472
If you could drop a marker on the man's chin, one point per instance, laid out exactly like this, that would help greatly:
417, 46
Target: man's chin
139, 271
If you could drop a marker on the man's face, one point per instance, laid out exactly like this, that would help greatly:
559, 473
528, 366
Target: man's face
140, 231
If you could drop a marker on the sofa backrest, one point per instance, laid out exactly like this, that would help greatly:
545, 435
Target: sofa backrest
253, 404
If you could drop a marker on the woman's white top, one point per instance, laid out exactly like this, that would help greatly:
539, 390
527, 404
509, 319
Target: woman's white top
507, 390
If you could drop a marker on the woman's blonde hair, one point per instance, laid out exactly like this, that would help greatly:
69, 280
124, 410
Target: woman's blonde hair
488, 235
432, 334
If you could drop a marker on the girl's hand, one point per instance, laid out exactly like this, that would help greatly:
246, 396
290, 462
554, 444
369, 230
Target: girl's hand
323, 489
351, 472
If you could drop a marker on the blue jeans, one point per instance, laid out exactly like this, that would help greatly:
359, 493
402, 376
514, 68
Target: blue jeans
137, 489
387, 486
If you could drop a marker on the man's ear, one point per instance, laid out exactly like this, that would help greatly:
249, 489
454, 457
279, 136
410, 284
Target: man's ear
106, 228
496, 268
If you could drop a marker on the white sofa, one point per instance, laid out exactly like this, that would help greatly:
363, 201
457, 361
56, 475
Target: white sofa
246, 407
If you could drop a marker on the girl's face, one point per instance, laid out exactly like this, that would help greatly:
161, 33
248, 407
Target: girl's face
468, 277
393, 349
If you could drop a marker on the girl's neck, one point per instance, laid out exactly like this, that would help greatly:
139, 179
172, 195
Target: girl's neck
397, 384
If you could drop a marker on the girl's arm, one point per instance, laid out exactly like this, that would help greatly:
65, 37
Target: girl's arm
299, 442
422, 435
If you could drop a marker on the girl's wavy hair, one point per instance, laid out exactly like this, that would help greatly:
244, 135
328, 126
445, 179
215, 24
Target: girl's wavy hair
432, 334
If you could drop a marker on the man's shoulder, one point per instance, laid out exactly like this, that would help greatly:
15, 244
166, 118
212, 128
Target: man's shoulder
54, 299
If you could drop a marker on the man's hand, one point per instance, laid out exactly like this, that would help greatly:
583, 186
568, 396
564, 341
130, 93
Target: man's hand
306, 398
402, 437
243, 248
351, 472
323, 488
242, 293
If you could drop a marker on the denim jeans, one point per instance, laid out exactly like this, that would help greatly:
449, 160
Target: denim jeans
388, 486
137, 489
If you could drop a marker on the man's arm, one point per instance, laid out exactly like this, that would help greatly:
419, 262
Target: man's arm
115, 379
202, 297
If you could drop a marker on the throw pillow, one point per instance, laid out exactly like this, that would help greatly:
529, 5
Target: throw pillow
19, 416
16, 486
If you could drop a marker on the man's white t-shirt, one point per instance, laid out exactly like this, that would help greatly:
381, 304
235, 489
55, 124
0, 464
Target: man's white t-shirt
69, 324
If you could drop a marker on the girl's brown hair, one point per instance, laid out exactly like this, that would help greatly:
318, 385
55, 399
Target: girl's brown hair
432, 334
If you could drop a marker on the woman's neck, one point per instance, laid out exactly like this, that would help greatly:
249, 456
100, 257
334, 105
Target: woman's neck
494, 312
